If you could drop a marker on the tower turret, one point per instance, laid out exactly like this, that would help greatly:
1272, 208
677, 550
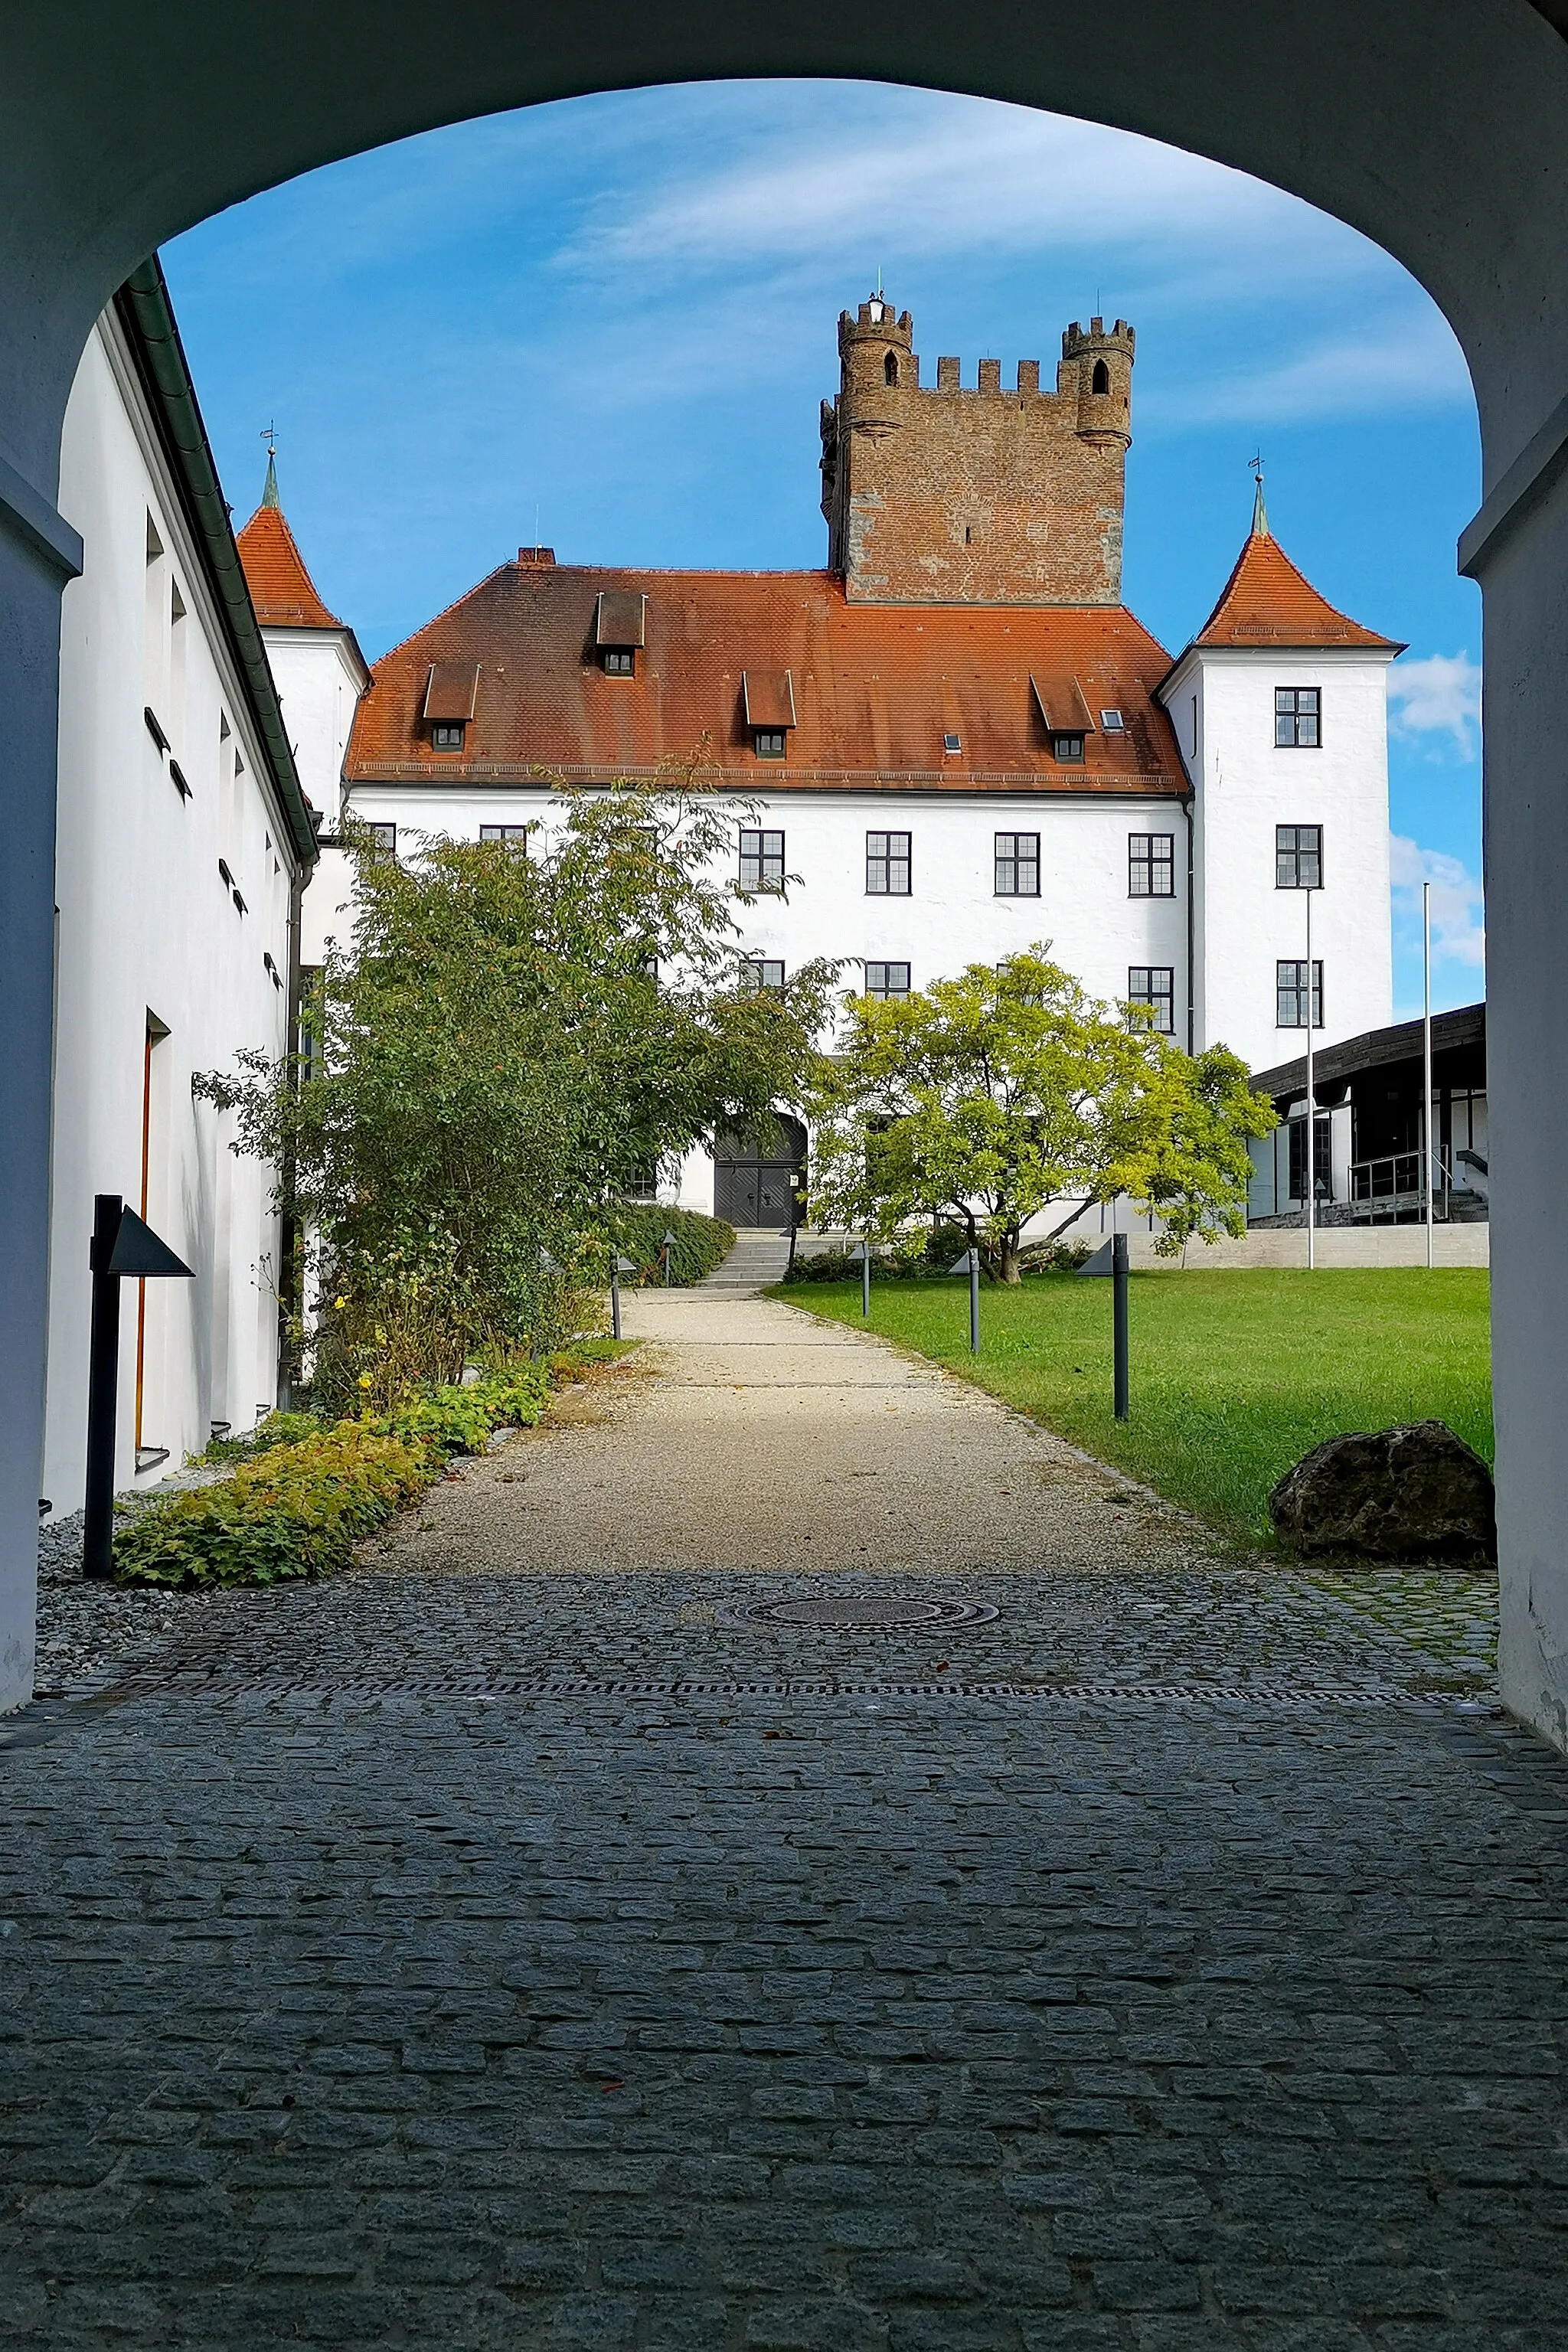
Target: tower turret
1097, 371
874, 350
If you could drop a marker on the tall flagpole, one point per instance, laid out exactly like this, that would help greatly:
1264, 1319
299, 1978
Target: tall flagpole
1426, 1052
1311, 1108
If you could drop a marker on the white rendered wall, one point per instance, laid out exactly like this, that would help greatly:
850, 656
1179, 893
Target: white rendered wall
1245, 787
320, 680
145, 923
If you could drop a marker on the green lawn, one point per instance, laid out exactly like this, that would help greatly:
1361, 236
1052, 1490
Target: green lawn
1233, 1375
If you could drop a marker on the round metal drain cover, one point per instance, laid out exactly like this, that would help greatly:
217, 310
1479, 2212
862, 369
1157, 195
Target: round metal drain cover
849, 1611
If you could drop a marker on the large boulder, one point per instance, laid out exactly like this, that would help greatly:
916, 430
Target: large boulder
1416, 1492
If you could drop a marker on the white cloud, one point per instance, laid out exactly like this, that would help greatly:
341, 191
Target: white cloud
1406, 357
1458, 928
1438, 694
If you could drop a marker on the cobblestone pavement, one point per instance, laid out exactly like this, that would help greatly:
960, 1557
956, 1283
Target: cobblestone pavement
1176, 1958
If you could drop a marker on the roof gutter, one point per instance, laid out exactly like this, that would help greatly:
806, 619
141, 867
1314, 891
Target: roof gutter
143, 307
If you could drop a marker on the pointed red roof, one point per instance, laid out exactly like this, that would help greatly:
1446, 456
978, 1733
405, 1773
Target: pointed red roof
1267, 602
282, 589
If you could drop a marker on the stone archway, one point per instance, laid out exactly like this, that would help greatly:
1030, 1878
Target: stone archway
1435, 126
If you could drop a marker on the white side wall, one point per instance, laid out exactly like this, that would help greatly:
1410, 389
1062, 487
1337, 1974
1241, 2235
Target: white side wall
146, 925
1221, 706
319, 681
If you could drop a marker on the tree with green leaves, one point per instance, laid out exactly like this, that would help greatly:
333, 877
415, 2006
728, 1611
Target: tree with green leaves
509, 1034
989, 1099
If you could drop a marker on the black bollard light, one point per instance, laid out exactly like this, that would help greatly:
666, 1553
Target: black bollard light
1118, 1323
667, 1245
864, 1247
618, 1266
121, 1246
970, 1263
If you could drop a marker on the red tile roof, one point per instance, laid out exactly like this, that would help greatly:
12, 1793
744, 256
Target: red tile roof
282, 589
1267, 602
875, 688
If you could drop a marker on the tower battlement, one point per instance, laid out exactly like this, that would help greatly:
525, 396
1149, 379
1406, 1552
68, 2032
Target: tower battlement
986, 494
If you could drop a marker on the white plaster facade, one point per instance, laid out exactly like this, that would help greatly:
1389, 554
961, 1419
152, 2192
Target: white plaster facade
151, 944
1221, 702
320, 675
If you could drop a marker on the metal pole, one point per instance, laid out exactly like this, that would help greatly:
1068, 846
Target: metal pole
102, 1391
1426, 1053
866, 1276
975, 1302
1312, 1110
615, 1300
1118, 1321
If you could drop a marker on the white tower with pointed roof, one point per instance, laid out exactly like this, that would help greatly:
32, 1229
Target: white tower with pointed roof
1279, 706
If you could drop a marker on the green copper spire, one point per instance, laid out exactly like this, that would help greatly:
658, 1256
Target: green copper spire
269, 487
1259, 511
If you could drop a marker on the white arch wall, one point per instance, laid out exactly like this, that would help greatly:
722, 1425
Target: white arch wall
1437, 126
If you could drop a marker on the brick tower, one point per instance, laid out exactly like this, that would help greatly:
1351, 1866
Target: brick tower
938, 494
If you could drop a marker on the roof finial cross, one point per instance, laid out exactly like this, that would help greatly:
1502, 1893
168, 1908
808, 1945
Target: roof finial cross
1259, 511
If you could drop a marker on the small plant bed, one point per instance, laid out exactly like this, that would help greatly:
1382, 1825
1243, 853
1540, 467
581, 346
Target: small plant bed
302, 1492
1235, 1375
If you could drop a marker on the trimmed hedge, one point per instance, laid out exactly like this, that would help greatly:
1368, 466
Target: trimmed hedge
302, 1493
700, 1243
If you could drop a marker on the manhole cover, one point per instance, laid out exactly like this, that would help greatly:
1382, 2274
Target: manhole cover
850, 1609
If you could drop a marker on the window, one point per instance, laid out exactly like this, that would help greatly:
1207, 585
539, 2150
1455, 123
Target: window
762, 859
887, 982
1113, 722
1068, 749
950, 745
1018, 865
1101, 380
447, 734
1297, 717
766, 975
887, 864
1290, 987
772, 744
383, 838
1155, 984
889, 370
517, 834
1151, 864
620, 661
1297, 858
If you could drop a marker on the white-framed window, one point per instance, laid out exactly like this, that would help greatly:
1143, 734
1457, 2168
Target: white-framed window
887, 982
887, 864
1151, 864
1155, 984
762, 858
1290, 993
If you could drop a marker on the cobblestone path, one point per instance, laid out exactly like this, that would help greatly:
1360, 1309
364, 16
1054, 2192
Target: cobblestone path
540, 1956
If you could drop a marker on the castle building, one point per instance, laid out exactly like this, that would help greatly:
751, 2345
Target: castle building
955, 735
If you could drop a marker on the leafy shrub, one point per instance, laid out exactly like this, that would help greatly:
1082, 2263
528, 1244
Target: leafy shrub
700, 1243
827, 1266
302, 1492
1055, 1257
292, 1510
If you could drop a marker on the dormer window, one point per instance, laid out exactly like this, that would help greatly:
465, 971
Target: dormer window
1067, 749
451, 691
620, 661
620, 630
768, 698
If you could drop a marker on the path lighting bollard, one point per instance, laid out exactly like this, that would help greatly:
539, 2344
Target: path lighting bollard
667, 1245
863, 1252
121, 1246
618, 1266
969, 1264
1112, 1258
1119, 1322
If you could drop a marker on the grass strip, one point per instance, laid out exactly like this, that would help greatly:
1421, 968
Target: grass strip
1235, 1375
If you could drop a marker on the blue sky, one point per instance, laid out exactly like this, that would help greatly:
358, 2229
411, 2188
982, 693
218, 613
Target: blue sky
616, 314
